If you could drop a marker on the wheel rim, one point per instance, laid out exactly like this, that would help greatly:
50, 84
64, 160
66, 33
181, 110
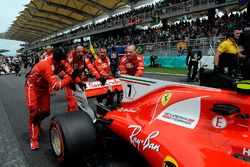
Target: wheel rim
56, 142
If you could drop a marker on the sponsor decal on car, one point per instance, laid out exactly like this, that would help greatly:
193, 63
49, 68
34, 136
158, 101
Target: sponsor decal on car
185, 113
178, 118
165, 99
219, 122
168, 160
126, 110
97, 84
142, 144
246, 152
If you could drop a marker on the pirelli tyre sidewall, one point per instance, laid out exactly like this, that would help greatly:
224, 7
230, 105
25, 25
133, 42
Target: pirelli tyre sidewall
72, 136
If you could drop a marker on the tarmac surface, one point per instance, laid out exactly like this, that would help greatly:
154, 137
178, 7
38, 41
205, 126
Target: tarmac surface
14, 141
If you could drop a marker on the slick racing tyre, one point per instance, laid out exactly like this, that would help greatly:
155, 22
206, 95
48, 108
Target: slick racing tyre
72, 136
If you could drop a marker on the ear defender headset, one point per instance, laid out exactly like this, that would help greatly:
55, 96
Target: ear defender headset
230, 33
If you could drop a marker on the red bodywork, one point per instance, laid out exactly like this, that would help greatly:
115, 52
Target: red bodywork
175, 123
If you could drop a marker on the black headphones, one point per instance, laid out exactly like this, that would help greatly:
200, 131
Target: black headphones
230, 33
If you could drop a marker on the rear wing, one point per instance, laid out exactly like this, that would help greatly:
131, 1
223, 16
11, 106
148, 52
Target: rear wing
94, 89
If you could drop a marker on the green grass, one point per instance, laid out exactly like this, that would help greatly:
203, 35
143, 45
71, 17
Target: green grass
166, 70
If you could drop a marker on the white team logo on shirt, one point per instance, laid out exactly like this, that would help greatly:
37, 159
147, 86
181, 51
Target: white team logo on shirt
52, 67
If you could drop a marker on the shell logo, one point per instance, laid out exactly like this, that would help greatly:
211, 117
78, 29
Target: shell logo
53, 68
169, 162
165, 99
104, 65
129, 65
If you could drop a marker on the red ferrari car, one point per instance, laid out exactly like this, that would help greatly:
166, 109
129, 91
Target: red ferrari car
166, 123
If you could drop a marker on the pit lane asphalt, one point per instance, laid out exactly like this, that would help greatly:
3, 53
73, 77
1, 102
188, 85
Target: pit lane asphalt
14, 141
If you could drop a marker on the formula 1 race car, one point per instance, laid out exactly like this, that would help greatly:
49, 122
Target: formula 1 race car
157, 123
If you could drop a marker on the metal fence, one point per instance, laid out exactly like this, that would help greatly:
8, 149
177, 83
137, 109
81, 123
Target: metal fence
172, 48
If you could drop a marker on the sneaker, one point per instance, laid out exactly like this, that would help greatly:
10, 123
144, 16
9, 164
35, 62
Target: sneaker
34, 145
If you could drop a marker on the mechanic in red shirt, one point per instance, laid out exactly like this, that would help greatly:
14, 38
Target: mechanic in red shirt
102, 64
48, 52
132, 63
41, 77
80, 63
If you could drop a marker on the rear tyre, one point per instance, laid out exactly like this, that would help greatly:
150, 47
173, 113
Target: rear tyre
72, 136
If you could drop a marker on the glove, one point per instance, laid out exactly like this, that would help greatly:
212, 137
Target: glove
102, 80
75, 74
216, 69
82, 85
72, 86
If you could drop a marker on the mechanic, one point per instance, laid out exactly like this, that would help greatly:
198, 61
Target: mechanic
102, 64
80, 63
41, 77
227, 52
192, 62
48, 52
132, 63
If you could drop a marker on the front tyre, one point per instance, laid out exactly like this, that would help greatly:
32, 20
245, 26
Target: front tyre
72, 136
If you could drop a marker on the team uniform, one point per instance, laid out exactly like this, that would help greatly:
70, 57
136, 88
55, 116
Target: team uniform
132, 66
46, 55
227, 60
103, 67
40, 79
80, 65
192, 62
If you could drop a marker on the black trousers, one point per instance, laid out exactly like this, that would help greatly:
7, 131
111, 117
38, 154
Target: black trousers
246, 69
192, 68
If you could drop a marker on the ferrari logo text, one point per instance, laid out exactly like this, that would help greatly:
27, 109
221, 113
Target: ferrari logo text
144, 143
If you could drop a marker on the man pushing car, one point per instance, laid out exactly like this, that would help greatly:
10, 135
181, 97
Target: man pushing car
39, 80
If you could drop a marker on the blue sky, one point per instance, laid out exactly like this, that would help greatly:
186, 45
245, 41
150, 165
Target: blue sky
8, 13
